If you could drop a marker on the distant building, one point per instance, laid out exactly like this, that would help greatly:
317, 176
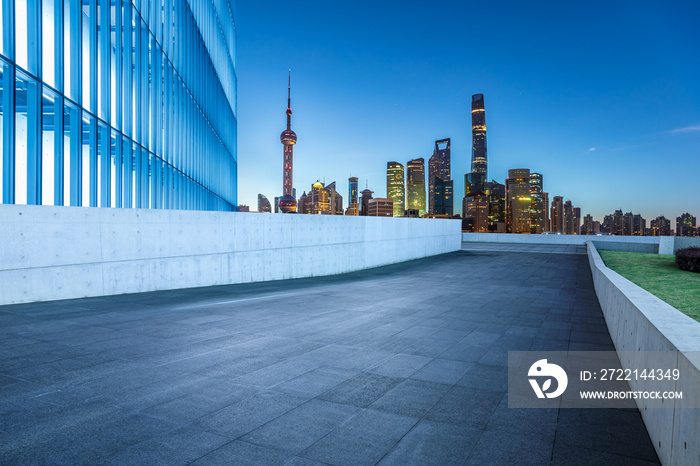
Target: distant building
479, 161
288, 138
335, 199
243, 208
538, 205
415, 185
660, 226
497, 206
475, 208
381, 207
320, 200
556, 218
587, 228
440, 186
686, 225
364, 201
395, 187
518, 201
264, 204
352, 190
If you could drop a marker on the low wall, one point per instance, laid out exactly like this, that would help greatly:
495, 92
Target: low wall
660, 244
641, 324
50, 253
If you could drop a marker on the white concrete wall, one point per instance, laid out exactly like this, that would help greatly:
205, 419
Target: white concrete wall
641, 324
51, 253
660, 244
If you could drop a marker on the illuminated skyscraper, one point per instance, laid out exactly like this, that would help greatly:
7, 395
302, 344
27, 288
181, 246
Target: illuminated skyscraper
440, 195
288, 138
352, 190
415, 189
479, 164
518, 201
538, 205
395, 187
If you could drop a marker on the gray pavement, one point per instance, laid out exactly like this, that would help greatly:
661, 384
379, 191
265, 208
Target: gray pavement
519, 247
403, 364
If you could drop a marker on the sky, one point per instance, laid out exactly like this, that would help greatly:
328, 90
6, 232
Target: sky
600, 97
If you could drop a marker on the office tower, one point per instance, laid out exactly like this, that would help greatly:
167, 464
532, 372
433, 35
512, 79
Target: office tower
557, 215
415, 189
395, 188
568, 218
335, 199
497, 206
288, 138
545, 202
380, 207
608, 225
639, 224
538, 205
474, 182
587, 225
686, 225
364, 201
661, 226
518, 201
320, 201
352, 190
576, 221
475, 208
479, 162
75, 134
439, 183
264, 204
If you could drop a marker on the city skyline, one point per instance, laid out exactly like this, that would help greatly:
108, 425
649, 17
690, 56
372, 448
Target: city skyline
555, 114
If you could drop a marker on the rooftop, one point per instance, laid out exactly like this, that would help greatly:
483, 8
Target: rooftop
400, 364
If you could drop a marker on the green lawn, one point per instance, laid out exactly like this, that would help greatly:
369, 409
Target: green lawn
658, 274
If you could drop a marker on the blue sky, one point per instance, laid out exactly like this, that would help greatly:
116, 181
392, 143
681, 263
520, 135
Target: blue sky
602, 98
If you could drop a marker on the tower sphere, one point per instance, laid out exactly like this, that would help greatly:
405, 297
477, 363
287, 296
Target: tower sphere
288, 137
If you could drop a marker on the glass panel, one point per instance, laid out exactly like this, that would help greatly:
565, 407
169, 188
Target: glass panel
66, 155
85, 155
113, 170
47, 147
3, 149
21, 140
21, 31
68, 35
86, 56
113, 63
48, 54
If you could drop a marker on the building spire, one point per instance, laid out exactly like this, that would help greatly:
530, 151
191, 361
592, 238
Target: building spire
289, 101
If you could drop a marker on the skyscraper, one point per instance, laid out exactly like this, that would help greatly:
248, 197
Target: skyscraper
538, 206
479, 164
415, 189
661, 226
263, 204
497, 206
98, 110
352, 190
439, 184
364, 201
518, 201
556, 219
288, 138
395, 187
685, 225
335, 199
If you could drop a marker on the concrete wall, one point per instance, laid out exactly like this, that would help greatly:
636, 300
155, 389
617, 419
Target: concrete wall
660, 244
640, 325
52, 253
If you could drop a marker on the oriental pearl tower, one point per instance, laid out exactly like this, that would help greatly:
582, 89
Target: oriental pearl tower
288, 138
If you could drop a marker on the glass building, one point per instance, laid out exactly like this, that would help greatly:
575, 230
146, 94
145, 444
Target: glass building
415, 189
395, 187
110, 103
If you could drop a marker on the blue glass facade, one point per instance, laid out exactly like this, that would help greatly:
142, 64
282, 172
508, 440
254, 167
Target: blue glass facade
111, 103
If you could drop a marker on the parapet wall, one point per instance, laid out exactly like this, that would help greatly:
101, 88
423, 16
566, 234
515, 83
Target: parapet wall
50, 253
641, 324
648, 244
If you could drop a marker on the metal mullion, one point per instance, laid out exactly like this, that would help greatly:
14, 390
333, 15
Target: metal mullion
34, 140
59, 175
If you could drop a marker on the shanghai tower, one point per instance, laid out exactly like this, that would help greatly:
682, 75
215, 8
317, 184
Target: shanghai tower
479, 135
288, 138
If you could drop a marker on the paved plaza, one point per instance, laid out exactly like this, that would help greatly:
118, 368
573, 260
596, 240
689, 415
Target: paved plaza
404, 364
